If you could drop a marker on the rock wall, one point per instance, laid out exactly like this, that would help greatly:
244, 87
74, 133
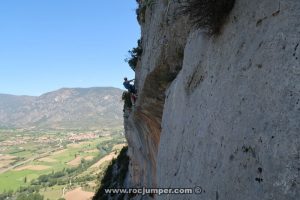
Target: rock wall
220, 112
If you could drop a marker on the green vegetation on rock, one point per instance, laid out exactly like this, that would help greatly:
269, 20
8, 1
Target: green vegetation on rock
114, 176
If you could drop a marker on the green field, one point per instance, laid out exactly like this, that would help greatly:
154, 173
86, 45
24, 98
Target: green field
61, 160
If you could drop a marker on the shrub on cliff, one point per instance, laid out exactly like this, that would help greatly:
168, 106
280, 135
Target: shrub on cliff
126, 97
141, 10
210, 14
135, 55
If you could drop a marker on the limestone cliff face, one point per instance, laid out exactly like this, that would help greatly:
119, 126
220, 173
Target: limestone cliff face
221, 112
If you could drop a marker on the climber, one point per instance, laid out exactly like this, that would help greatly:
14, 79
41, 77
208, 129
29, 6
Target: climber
130, 89
128, 86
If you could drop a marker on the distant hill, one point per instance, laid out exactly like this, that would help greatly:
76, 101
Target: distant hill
67, 108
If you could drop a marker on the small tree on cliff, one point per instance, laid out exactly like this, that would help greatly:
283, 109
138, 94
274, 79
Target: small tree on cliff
135, 55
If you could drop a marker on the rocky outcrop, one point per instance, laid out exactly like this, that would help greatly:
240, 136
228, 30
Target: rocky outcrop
221, 111
114, 177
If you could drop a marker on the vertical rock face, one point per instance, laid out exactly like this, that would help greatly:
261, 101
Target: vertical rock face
163, 39
219, 112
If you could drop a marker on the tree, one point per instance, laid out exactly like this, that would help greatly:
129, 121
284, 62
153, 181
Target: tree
135, 55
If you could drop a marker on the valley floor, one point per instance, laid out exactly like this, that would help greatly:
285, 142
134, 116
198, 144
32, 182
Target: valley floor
61, 169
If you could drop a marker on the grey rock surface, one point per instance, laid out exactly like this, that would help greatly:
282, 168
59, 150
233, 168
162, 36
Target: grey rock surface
229, 120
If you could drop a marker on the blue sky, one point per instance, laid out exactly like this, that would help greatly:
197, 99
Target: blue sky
49, 44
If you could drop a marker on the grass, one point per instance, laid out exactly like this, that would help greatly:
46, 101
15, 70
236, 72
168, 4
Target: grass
24, 154
13, 180
54, 192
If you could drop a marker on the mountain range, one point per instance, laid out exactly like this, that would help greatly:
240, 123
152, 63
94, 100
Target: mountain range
66, 108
